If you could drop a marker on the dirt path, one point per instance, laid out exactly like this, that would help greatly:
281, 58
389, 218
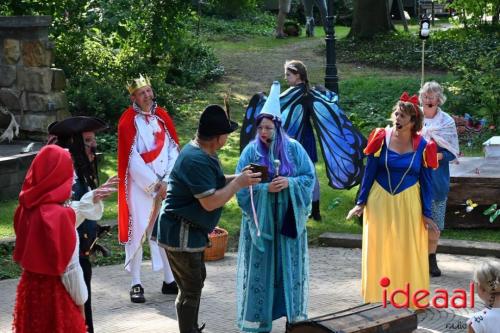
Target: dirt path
248, 72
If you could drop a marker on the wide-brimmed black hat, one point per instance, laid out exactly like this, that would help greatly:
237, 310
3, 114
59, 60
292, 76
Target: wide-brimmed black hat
73, 125
215, 121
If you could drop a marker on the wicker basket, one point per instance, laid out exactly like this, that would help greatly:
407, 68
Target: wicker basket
217, 246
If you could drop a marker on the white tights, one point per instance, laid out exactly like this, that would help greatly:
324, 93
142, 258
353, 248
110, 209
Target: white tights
135, 266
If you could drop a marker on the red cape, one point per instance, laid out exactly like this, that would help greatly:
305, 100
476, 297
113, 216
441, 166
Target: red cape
126, 137
45, 229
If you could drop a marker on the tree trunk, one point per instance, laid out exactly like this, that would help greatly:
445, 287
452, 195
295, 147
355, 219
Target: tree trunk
370, 17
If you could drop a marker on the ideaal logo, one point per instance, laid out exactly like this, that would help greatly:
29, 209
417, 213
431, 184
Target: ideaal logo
440, 300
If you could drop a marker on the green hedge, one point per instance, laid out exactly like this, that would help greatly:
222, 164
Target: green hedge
470, 55
445, 49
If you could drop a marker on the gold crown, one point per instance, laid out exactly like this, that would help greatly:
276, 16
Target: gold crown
138, 83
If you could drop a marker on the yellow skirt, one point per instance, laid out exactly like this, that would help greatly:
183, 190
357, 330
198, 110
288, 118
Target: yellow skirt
394, 244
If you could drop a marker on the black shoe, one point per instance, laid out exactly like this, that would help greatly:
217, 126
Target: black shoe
315, 215
199, 329
169, 288
137, 294
434, 270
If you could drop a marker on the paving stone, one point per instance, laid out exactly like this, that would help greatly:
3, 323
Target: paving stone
334, 285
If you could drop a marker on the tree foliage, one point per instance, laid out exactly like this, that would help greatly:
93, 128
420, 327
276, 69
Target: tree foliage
475, 12
100, 44
230, 8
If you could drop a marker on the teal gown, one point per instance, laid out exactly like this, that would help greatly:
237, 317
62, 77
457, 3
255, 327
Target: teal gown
273, 269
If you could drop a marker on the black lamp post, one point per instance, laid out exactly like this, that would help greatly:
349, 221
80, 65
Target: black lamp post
424, 34
331, 78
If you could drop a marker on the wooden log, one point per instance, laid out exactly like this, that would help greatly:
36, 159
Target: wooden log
483, 192
477, 179
457, 218
366, 318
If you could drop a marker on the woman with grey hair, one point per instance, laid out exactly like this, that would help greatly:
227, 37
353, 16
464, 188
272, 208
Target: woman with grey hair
439, 127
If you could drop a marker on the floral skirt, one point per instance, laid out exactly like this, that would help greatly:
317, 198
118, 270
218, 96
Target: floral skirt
43, 305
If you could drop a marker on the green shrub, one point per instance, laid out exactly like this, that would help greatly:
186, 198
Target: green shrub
230, 8
474, 12
368, 101
102, 44
477, 87
445, 49
471, 55
107, 142
260, 24
191, 63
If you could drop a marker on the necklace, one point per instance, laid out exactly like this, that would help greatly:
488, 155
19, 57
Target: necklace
389, 174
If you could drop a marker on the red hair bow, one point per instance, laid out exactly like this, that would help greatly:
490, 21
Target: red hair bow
405, 97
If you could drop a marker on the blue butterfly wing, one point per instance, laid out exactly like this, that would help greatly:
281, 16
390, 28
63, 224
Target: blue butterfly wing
341, 143
253, 109
295, 115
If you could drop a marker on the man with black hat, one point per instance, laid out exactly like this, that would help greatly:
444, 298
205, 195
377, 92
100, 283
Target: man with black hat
197, 191
147, 149
77, 134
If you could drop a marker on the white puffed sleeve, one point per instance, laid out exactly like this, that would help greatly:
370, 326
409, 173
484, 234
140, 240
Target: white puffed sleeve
86, 209
73, 280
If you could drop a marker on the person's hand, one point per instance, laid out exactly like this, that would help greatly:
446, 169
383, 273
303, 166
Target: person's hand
247, 178
111, 182
440, 156
431, 226
278, 184
106, 189
161, 189
82, 310
356, 211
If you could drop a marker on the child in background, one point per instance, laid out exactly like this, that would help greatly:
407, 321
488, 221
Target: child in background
487, 280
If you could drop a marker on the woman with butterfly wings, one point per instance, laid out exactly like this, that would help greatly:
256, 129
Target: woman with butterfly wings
306, 110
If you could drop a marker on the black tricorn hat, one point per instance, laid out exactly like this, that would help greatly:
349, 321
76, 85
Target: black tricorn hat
214, 120
74, 125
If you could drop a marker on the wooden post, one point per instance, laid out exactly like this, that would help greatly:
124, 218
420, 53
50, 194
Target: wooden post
423, 59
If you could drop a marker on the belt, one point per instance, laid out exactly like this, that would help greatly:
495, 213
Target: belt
181, 219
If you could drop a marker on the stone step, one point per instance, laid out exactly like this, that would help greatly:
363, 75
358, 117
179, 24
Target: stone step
450, 246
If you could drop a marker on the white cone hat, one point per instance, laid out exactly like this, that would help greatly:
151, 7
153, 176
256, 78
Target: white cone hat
272, 105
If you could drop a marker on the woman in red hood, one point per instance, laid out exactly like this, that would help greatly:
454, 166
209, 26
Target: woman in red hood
49, 294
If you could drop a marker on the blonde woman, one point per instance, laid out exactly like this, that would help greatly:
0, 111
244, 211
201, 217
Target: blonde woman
487, 280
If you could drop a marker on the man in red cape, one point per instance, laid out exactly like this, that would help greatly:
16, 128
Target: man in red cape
147, 149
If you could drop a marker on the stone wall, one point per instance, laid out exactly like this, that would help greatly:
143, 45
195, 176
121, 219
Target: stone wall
12, 173
29, 86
